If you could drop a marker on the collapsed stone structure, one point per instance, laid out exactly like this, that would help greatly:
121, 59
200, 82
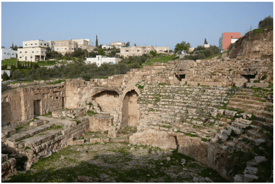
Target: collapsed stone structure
174, 105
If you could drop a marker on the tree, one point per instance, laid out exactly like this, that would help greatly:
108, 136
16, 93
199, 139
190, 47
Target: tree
17, 75
101, 52
266, 22
4, 66
182, 46
5, 76
13, 67
96, 41
154, 53
127, 44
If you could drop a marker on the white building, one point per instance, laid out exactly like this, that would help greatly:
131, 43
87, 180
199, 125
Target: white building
99, 60
107, 47
8, 53
118, 44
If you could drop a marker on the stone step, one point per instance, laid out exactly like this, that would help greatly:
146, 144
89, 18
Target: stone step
258, 113
253, 134
247, 105
39, 139
248, 97
44, 145
28, 133
8, 131
239, 125
236, 129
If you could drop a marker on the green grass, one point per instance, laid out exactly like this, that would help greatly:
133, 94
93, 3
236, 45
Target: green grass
163, 84
160, 59
261, 30
9, 62
19, 127
102, 77
91, 113
57, 82
56, 127
219, 54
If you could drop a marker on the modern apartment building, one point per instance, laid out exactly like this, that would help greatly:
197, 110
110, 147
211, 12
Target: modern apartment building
117, 44
84, 44
99, 60
33, 50
64, 46
34, 43
227, 38
8, 53
32, 54
162, 50
140, 50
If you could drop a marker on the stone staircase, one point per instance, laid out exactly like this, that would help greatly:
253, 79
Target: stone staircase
42, 139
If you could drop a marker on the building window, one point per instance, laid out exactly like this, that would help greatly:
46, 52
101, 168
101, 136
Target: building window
12, 54
5, 53
35, 44
57, 49
40, 43
32, 51
25, 44
45, 44
20, 52
31, 43
26, 52
26, 58
42, 52
31, 57
37, 51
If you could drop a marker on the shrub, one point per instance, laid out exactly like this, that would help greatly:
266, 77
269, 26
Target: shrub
266, 22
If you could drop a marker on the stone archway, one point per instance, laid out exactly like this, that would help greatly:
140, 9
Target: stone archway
130, 110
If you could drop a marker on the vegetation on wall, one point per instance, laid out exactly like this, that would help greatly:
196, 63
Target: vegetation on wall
201, 52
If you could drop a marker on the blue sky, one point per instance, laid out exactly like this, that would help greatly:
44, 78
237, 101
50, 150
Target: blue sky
143, 23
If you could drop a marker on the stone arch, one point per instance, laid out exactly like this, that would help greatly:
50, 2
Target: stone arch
130, 108
107, 101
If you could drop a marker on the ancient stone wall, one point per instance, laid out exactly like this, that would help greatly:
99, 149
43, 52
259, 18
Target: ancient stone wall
8, 167
26, 103
11, 106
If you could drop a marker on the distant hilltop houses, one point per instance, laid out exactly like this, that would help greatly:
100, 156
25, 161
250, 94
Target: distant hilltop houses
35, 50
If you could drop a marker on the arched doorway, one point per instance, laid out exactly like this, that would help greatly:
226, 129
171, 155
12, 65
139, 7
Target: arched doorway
130, 110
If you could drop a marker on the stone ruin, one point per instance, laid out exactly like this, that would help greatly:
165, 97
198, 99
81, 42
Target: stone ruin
174, 105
